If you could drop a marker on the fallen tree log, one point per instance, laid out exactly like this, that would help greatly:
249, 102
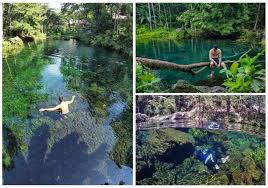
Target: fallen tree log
159, 64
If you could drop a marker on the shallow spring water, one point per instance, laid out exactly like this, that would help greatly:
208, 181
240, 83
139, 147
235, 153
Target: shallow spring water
75, 150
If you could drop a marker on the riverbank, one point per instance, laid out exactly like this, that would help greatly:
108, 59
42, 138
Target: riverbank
119, 41
145, 34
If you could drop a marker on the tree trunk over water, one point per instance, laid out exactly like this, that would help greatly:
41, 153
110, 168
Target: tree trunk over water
158, 64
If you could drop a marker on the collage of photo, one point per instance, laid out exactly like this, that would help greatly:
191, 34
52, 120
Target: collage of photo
81, 107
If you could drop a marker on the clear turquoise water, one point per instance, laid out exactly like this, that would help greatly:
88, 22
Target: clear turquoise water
186, 52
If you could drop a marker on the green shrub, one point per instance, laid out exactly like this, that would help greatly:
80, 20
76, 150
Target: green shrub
245, 76
11, 46
144, 33
146, 80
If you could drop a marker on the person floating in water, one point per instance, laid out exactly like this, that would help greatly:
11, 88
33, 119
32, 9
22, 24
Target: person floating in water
208, 157
63, 107
215, 57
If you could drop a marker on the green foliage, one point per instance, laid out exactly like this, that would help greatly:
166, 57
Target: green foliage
21, 93
245, 164
146, 80
198, 133
164, 174
245, 76
144, 33
122, 152
101, 28
191, 172
33, 21
254, 38
259, 154
24, 19
13, 142
114, 40
7, 160
215, 19
209, 20
11, 46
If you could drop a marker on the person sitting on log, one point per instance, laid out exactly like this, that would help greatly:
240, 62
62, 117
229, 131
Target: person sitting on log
215, 57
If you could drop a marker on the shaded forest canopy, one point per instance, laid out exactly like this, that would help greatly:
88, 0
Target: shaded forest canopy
108, 25
208, 20
240, 23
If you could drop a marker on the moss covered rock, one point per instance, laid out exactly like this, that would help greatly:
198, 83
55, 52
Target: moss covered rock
218, 179
241, 178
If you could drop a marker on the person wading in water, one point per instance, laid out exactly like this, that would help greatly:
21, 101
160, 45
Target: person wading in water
63, 107
215, 57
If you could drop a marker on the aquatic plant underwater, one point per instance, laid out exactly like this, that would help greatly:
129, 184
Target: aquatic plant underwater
166, 157
92, 125
172, 129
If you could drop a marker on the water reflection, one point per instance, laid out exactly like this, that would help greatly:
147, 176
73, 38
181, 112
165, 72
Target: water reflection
76, 150
177, 120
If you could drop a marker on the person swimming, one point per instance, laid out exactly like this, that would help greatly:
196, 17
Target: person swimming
208, 157
63, 107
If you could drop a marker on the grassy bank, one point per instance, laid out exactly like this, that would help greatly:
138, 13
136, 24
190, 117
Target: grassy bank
144, 33
255, 38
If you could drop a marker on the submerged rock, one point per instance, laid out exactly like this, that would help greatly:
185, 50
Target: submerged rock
218, 179
173, 135
183, 86
214, 89
141, 117
241, 178
248, 174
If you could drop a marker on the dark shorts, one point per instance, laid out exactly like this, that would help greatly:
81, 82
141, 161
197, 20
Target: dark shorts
216, 60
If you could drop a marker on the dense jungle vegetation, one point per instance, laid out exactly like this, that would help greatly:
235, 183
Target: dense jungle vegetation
217, 20
167, 155
241, 23
27, 24
107, 25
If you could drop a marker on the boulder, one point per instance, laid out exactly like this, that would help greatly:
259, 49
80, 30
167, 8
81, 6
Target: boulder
141, 117
183, 86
